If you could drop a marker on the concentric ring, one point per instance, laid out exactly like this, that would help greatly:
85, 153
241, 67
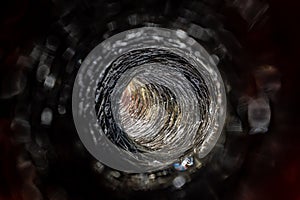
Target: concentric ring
146, 97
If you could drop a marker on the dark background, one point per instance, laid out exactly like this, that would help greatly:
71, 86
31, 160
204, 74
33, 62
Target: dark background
276, 42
